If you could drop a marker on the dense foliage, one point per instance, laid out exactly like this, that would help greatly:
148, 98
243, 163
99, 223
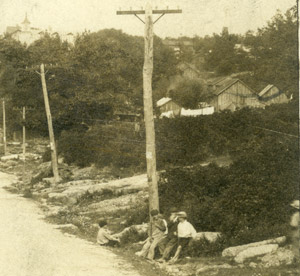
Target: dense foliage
87, 82
269, 55
249, 200
188, 93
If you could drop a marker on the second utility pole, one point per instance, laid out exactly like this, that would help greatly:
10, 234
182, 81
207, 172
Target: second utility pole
4, 129
50, 127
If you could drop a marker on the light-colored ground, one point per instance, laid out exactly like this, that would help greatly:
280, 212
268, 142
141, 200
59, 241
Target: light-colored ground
31, 247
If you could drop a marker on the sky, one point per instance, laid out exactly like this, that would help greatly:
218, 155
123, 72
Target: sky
199, 17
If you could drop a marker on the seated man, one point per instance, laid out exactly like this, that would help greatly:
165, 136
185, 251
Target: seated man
185, 232
159, 232
104, 236
171, 240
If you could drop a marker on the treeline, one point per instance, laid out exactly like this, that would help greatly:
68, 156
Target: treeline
87, 82
270, 54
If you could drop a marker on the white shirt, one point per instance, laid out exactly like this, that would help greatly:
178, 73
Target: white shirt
103, 236
186, 230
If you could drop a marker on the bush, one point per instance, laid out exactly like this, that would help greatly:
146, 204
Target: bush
247, 201
205, 248
104, 145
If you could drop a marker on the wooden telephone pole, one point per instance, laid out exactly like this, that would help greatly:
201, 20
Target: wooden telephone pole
4, 128
24, 141
23, 111
50, 127
148, 104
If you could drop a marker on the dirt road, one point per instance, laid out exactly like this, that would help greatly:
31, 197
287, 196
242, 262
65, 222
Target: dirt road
31, 247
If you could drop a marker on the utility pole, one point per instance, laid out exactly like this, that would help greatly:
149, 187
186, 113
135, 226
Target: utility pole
4, 128
23, 111
24, 142
148, 103
50, 127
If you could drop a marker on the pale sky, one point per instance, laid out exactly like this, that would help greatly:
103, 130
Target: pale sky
199, 17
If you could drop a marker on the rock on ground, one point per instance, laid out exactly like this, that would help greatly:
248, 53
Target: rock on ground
234, 251
66, 227
282, 256
210, 236
10, 157
137, 229
206, 268
255, 251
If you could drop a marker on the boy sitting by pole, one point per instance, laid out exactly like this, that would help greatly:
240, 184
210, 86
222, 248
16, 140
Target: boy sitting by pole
171, 240
185, 232
159, 232
104, 236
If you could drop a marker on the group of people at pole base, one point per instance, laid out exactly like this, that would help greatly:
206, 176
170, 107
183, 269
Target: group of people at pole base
167, 236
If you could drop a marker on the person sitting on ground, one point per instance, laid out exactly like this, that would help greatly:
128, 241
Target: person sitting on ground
185, 232
159, 232
104, 236
170, 242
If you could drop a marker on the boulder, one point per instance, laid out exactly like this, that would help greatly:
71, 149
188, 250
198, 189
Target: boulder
66, 227
56, 210
255, 251
10, 157
139, 230
282, 256
44, 170
234, 251
206, 268
49, 181
32, 156
11, 163
210, 236
62, 198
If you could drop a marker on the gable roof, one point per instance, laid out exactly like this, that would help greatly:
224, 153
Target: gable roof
224, 85
163, 101
184, 65
228, 84
265, 90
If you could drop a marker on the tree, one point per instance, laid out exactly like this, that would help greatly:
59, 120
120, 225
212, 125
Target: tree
275, 52
189, 93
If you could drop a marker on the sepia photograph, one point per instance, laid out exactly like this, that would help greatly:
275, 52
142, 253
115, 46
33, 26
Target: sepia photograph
149, 138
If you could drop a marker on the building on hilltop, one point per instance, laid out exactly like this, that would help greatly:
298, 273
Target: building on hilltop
272, 95
178, 45
28, 34
232, 94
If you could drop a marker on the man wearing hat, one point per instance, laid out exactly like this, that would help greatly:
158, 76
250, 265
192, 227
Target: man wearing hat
159, 232
185, 232
170, 241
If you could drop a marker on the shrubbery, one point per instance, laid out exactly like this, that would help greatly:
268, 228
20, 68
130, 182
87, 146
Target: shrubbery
105, 145
247, 201
180, 141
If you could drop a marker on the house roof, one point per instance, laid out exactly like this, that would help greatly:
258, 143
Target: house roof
265, 90
224, 85
227, 84
217, 80
184, 65
163, 101
12, 29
